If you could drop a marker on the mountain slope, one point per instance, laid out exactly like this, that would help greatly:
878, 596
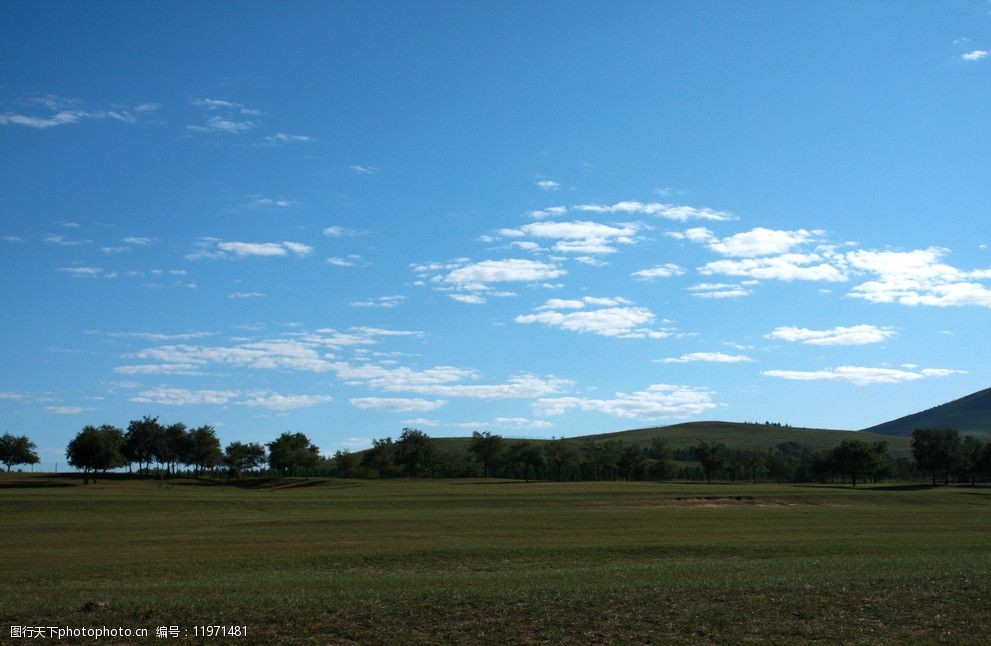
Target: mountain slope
970, 415
733, 434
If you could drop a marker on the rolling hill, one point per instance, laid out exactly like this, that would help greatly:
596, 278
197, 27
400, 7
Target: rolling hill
970, 415
732, 434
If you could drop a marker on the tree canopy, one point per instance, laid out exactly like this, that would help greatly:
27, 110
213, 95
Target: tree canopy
17, 449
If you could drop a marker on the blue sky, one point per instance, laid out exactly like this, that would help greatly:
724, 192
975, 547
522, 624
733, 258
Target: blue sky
539, 219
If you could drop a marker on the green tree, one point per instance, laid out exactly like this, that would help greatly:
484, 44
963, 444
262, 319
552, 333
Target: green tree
292, 452
204, 449
173, 446
380, 457
631, 462
345, 462
525, 455
486, 448
414, 450
142, 440
936, 450
17, 449
971, 455
240, 457
754, 464
660, 453
96, 449
856, 457
559, 455
710, 456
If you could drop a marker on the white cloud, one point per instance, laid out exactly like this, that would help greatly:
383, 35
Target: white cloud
918, 278
470, 299
666, 270
167, 396
550, 211
285, 138
853, 335
268, 201
65, 242
669, 211
246, 295
58, 111
159, 369
87, 272
754, 243
579, 236
397, 404
615, 318
214, 248
975, 55
138, 240
860, 376
364, 170
304, 352
497, 271
340, 232
13, 238
786, 267
157, 336
223, 116
445, 381
710, 357
385, 302
275, 401
657, 401
67, 410
548, 185
718, 290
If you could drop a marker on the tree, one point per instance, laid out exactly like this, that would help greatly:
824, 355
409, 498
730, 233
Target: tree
525, 454
142, 440
240, 457
17, 450
710, 455
486, 448
291, 452
935, 450
754, 464
173, 446
855, 457
559, 454
660, 452
204, 449
344, 462
631, 462
96, 449
379, 458
413, 450
971, 455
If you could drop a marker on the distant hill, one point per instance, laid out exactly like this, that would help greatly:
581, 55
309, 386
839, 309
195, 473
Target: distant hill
970, 415
732, 434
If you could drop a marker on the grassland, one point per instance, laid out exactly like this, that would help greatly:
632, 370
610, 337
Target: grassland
477, 561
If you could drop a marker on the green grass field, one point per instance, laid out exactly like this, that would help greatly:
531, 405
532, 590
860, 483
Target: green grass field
477, 561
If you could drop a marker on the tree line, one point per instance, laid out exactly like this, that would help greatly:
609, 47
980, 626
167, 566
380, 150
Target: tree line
161, 450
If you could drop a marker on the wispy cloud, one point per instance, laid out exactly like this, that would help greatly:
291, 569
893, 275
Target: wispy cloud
680, 213
578, 236
397, 404
666, 270
385, 302
548, 185
214, 248
852, 335
224, 116
612, 317
975, 55
656, 402
861, 376
53, 111
364, 170
708, 357
286, 138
